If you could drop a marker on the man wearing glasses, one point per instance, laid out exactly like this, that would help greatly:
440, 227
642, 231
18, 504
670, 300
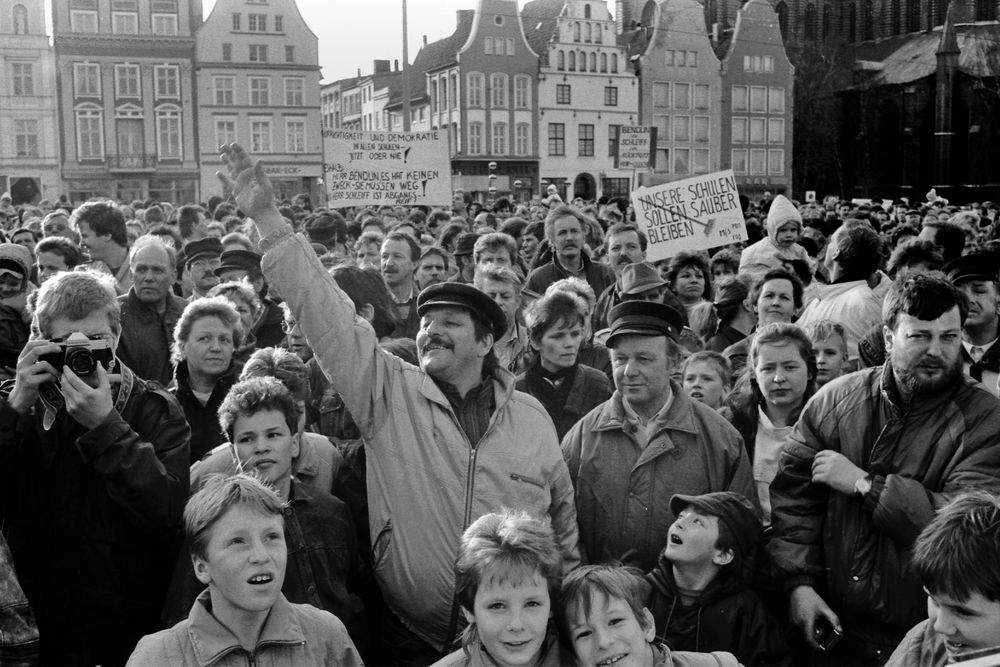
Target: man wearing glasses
202, 258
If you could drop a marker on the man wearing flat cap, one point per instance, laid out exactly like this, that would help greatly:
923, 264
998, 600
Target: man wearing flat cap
445, 442
646, 443
201, 259
976, 274
245, 265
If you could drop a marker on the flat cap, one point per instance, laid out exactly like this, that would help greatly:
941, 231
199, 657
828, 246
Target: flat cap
243, 260
326, 228
466, 243
208, 246
643, 318
974, 266
640, 277
479, 305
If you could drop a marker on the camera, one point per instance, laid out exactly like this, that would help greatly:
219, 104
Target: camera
81, 354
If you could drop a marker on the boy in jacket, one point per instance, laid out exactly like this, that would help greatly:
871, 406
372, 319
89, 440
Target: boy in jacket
700, 598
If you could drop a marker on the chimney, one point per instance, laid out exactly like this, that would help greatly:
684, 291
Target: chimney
425, 40
381, 66
395, 65
359, 72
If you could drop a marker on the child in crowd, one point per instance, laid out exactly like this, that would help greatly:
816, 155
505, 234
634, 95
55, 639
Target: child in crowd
15, 287
955, 557
506, 577
784, 224
604, 620
708, 378
701, 599
236, 529
830, 347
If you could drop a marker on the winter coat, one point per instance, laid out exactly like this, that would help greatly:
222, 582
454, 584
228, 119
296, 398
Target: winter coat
478, 657
623, 490
921, 647
94, 518
764, 255
426, 481
853, 305
727, 616
597, 275
589, 388
856, 551
206, 433
147, 337
294, 635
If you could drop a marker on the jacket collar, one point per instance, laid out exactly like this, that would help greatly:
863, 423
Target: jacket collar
307, 464
679, 416
503, 385
922, 404
211, 640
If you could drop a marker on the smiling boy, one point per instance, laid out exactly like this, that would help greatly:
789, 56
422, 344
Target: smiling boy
236, 528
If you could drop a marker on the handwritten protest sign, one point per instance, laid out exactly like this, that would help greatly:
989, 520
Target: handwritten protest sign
395, 168
634, 147
694, 214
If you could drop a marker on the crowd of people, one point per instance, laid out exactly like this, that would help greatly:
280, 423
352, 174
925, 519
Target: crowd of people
257, 432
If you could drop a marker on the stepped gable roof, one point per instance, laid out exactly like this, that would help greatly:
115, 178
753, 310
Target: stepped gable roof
539, 20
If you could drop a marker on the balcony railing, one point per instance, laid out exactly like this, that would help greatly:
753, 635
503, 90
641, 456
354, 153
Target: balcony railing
134, 162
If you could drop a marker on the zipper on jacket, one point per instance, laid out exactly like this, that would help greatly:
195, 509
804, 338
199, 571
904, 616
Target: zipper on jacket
530, 480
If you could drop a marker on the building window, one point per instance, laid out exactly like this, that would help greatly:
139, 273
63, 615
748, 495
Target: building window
809, 23
852, 22
295, 92
289, 53
258, 53
576, 31
165, 17
588, 32
475, 138
225, 131
701, 95
585, 140
563, 93
604, 62
453, 91
740, 127
758, 99
488, 46
498, 90
663, 159
87, 79
237, 21
701, 160
295, 136
522, 139
758, 127
739, 165
227, 52
781, 9
561, 61
522, 92
127, 81
682, 161
776, 131
614, 63
90, 134
20, 20
611, 96
895, 17
83, 21
616, 187
225, 90
701, 128
26, 137
279, 23
260, 91
776, 100
868, 21
614, 131
986, 10
682, 129
167, 79
740, 98
475, 85
913, 15
661, 123
23, 78
125, 22
593, 62
758, 161
510, 46
682, 95
597, 35
499, 138
168, 134
260, 135
572, 61
557, 139
661, 95
776, 161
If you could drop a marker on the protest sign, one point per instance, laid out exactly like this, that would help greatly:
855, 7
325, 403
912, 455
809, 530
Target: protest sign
394, 168
634, 147
693, 214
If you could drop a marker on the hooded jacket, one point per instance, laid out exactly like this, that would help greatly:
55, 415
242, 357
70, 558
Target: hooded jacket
765, 254
856, 551
728, 616
426, 481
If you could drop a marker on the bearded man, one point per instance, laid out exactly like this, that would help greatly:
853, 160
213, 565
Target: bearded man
871, 459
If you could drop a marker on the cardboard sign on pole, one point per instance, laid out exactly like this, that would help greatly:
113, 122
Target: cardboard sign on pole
635, 144
394, 168
693, 214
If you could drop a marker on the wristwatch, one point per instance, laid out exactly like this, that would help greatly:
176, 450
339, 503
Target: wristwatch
863, 486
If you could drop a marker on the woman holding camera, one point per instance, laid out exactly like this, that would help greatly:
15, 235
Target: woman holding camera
207, 334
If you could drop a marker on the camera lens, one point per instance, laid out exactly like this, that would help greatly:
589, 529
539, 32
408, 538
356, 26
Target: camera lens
82, 362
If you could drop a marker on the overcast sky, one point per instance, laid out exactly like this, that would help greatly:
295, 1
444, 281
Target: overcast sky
353, 33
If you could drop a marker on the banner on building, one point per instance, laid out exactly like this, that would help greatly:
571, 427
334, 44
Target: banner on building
394, 168
635, 147
694, 214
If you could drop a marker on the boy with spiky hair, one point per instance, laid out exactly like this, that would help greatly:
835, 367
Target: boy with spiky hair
236, 529
955, 556
830, 347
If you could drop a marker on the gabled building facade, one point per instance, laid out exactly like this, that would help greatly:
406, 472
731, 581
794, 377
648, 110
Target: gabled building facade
29, 124
126, 98
258, 83
586, 93
758, 104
